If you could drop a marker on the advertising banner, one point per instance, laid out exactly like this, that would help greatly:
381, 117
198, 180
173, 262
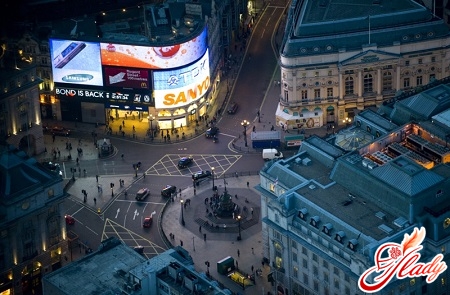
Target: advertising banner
100, 95
76, 62
145, 57
128, 78
176, 88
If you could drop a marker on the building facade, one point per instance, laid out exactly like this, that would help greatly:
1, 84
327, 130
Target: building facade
33, 232
20, 120
337, 60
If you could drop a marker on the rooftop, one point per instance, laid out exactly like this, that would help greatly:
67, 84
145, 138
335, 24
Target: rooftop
327, 26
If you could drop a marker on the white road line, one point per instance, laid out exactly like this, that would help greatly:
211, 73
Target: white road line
229, 135
91, 230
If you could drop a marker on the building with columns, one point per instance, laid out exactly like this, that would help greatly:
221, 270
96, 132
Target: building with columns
337, 59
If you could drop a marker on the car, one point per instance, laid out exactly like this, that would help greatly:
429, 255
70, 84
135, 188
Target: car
185, 161
139, 249
201, 174
147, 221
168, 191
142, 194
211, 132
55, 167
60, 131
232, 109
69, 220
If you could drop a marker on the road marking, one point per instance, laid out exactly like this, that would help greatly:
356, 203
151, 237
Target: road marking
91, 230
117, 214
229, 135
136, 213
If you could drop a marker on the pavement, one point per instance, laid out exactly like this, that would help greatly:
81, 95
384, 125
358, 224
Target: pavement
221, 234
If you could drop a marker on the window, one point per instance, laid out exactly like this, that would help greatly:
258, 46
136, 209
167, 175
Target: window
315, 270
305, 264
286, 95
316, 74
347, 290
419, 61
406, 83
325, 264
326, 277
305, 279
406, 62
294, 244
316, 93
387, 81
419, 80
316, 285
294, 257
295, 272
349, 85
433, 59
314, 257
305, 251
336, 271
336, 283
347, 278
368, 83
330, 73
329, 92
304, 94
432, 77
303, 75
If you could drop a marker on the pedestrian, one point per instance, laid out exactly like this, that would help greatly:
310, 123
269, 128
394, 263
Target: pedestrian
253, 251
95, 202
123, 123
143, 174
120, 182
84, 171
78, 160
238, 253
252, 268
248, 184
96, 177
122, 156
200, 228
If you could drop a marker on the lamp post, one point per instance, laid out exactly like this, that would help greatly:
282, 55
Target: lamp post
150, 119
347, 121
245, 123
212, 173
239, 227
182, 214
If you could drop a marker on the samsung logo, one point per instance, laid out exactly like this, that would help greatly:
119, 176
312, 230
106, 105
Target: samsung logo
77, 78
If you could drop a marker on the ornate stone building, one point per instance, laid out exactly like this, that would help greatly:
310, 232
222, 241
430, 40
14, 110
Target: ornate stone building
337, 59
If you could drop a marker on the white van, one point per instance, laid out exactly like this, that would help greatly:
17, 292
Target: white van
270, 154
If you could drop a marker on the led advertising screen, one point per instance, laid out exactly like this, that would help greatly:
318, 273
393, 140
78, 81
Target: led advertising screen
76, 62
100, 95
128, 78
176, 88
130, 56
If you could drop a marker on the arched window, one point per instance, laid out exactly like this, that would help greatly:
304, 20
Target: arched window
387, 81
349, 85
368, 83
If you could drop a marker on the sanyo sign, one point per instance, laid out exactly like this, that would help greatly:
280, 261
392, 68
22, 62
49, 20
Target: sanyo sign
177, 88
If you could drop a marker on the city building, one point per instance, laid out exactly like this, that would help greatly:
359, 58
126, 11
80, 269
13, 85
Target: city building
337, 59
327, 209
20, 119
160, 63
118, 269
33, 240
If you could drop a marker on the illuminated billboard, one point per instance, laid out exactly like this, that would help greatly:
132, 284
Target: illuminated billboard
76, 62
145, 57
128, 78
176, 88
129, 96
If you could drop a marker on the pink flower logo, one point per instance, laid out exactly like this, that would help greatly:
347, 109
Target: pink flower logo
395, 252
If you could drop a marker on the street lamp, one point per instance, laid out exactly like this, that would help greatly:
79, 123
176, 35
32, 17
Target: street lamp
245, 123
212, 173
182, 214
347, 121
239, 227
150, 119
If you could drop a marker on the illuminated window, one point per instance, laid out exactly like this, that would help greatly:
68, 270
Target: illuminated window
329, 92
406, 82
304, 94
368, 83
316, 93
349, 85
387, 81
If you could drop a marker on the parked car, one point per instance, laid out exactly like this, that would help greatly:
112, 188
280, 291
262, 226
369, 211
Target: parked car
185, 161
142, 194
201, 174
211, 132
69, 220
168, 190
60, 131
233, 107
147, 221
